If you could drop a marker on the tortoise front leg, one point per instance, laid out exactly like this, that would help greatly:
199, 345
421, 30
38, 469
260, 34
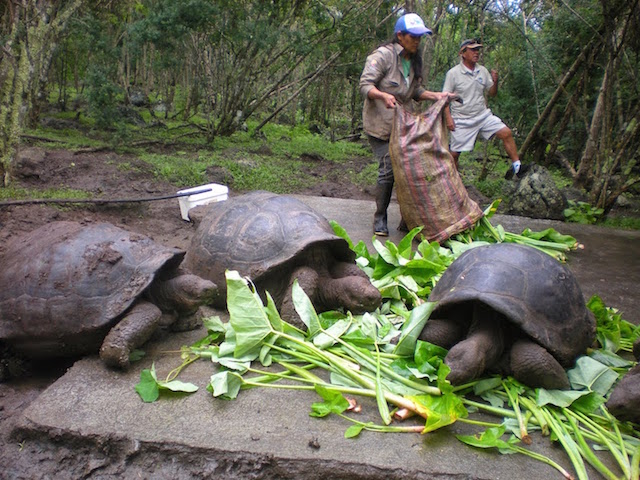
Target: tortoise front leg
535, 366
481, 349
133, 330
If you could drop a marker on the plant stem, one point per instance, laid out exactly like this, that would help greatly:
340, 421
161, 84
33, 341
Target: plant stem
585, 451
383, 428
535, 410
567, 442
337, 364
513, 400
542, 458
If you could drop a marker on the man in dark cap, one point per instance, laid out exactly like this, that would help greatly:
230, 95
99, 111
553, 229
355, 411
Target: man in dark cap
471, 82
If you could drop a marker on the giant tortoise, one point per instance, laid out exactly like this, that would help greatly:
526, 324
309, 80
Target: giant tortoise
70, 289
275, 239
511, 309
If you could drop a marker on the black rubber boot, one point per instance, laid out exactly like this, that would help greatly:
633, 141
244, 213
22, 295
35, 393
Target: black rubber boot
383, 197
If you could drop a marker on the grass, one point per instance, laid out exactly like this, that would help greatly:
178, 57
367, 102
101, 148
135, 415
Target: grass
269, 161
627, 223
13, 193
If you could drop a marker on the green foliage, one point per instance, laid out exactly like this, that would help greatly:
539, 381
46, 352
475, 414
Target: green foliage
631, 223
102, 95
181, 170
14, 193
490, 187
582, 212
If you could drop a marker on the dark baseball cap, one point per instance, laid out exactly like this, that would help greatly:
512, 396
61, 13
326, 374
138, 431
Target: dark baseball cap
470, 43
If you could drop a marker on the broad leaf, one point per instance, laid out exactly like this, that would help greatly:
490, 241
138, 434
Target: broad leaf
353, 431
148, 388
304, 308
440, 411
591, 375
327, 338
412, 328
225, 385
334, 402
558, 398
490, 438
178, 386
246, 314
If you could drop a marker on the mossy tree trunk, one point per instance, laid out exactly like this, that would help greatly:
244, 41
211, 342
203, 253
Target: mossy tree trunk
32, 29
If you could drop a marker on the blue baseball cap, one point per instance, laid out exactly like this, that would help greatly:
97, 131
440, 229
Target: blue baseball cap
411, 23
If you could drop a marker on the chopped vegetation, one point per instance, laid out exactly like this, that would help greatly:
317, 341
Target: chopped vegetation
379, 355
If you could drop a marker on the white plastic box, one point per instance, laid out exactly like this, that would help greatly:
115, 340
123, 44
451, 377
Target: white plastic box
216, 194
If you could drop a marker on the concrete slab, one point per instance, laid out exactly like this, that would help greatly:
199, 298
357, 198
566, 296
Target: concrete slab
95, 413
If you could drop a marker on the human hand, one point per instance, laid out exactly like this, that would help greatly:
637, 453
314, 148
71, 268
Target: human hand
451, 125
454, 97
389, 100
494, 76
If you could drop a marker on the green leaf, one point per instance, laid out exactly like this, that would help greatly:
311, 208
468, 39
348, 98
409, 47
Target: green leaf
428, 353
591, 375
486, 384
225, 385
353, 431
559, 398
440, 411
383, 406
412, 328
405, 245
147, 388
326, 338
305, 309
490, 438
214, 324
273, 315
178, 386
246, 314
341, 232
334, 402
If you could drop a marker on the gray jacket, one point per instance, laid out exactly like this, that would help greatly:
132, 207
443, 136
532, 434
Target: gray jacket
383, 70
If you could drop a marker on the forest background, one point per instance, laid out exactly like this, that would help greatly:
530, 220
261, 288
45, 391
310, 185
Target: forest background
210, 70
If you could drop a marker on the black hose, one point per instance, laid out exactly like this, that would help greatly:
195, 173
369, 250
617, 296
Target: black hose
11, 203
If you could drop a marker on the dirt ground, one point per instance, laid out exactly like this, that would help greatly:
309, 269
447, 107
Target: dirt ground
102, 174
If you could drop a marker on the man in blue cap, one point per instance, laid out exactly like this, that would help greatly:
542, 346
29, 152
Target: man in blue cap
392, 74
470, 118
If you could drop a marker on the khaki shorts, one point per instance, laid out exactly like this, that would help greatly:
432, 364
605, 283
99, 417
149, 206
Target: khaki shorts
463, 138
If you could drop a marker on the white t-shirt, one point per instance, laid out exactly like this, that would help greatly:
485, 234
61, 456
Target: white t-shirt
471, 85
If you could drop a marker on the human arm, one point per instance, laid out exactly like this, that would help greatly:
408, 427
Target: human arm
493, 90
388, 99
451, 125
449, 87
435, 96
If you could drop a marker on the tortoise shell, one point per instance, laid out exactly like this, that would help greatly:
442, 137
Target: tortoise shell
65, 284
531, 289
257, 233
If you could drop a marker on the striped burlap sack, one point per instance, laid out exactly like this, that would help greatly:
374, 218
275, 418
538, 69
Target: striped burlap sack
430, 191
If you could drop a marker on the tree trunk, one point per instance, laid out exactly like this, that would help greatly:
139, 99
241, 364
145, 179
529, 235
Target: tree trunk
554, 98
30, 43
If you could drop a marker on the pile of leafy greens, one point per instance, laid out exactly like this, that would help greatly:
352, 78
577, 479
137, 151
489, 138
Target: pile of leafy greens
379, 355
